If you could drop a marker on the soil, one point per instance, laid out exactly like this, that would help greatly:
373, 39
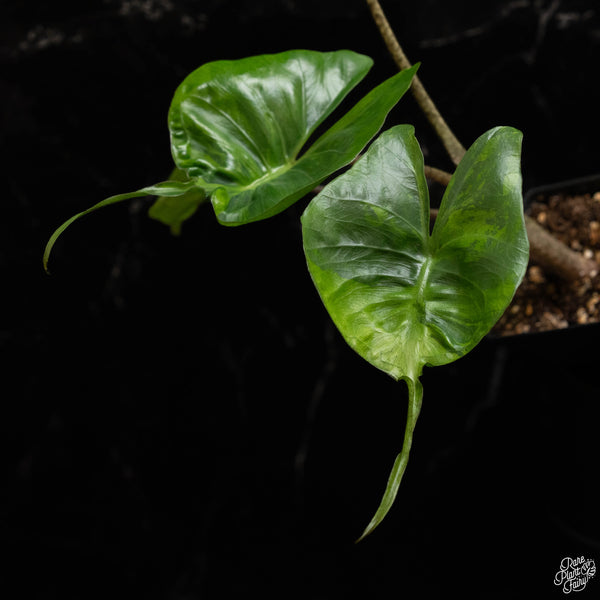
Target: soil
544, 302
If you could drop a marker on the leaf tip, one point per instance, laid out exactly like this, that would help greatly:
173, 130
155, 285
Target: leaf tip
46, 256
367, 531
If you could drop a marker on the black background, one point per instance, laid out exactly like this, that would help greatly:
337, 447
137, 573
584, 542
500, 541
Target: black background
179, 419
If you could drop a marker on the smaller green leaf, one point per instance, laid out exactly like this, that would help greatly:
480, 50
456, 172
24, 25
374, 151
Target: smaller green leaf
238, 127
173, 211
234, 122
169, 189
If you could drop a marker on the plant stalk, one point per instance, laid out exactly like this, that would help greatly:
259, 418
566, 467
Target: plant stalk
545, 249
415, 400
454, 148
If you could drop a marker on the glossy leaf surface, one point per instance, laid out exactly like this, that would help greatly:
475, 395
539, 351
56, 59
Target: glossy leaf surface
238, 127
402, 298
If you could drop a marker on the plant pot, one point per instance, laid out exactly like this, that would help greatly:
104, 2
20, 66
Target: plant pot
570, 210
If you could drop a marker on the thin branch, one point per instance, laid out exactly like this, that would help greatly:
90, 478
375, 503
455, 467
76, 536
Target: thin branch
454, 148
437, 175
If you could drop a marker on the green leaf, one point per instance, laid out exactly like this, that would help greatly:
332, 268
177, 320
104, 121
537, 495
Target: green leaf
169, 189
403, 298
173, 211
238, 127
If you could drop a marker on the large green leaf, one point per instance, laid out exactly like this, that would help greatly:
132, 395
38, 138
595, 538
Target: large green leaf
403, 298
238, 127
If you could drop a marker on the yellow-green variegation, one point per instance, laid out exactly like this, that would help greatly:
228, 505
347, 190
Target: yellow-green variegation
403, 298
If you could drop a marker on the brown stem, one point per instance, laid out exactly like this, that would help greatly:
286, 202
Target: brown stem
545, 249
442, 177
454, 148
553, 255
